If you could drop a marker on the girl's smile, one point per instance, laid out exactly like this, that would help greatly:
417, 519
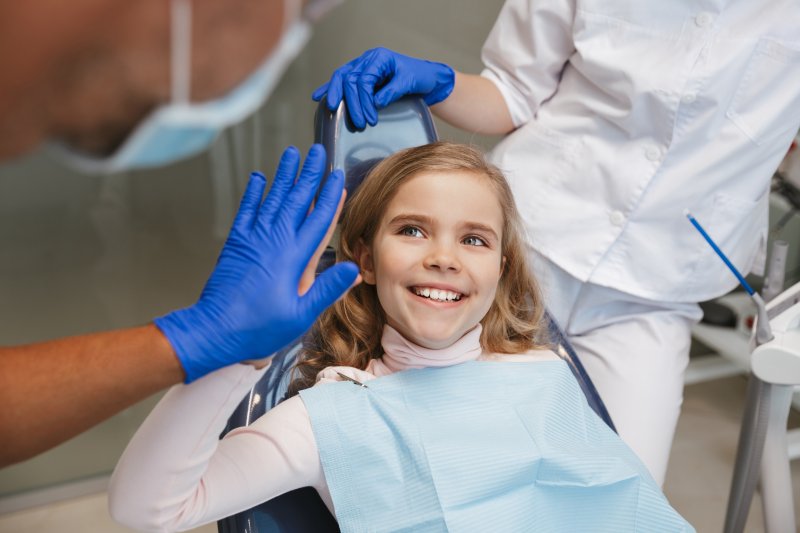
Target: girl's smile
436, 258
438, 293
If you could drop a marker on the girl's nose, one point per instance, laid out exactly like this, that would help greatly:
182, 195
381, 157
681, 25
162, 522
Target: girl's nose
442, 257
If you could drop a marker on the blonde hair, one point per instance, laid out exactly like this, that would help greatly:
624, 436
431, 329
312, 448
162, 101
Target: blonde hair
349, 332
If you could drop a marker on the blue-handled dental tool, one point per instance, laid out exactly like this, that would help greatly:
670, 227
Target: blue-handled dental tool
763, 330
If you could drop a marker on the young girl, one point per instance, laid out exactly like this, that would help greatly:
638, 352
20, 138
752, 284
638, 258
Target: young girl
448, 412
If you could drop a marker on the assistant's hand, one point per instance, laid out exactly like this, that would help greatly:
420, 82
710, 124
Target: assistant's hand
394, 75
250, 306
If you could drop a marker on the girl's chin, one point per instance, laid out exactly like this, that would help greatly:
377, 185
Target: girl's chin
432, 335
434, 342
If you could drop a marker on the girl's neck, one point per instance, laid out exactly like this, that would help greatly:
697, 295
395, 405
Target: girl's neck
402, 354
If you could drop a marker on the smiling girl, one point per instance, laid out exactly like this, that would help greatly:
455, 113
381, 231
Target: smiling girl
436, 233
465, 420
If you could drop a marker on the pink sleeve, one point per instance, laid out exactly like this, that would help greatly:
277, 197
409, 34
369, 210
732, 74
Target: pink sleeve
175, 474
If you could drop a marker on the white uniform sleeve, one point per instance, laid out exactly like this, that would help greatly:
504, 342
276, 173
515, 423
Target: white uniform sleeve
526, 51
175, 474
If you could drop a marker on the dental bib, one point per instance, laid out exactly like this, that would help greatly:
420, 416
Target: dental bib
479, 446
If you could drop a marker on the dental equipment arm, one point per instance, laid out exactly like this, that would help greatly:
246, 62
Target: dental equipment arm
253, 304
775, 369
762, 454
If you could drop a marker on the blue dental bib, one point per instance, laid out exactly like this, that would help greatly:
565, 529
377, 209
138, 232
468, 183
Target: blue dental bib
480, 446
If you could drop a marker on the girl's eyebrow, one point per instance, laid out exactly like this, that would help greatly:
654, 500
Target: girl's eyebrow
477, 226
424, 220
408, 218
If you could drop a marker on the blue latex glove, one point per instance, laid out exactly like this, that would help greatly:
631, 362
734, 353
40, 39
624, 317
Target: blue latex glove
393, 75
250, 306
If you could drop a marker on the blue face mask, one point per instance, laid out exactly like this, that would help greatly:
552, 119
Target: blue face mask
181, 129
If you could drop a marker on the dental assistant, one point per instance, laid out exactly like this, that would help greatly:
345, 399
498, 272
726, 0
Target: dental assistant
252, 305
619, 115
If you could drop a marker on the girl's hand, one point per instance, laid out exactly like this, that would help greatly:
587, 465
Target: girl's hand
310, 273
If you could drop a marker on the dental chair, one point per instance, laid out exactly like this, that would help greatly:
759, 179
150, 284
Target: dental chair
403, 124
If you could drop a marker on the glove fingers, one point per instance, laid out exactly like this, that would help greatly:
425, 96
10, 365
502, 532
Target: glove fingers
318, 222
251, 199
327, 288
366, 87
320, 92
390, 92
381, 68
334, 89
376, 68
353, 99
281, 185
295, 208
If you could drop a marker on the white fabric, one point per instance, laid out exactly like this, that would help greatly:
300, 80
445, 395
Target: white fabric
634, 350
628, 112
175, 474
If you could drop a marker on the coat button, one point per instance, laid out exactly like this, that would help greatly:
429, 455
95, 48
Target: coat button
703, 19
652, 153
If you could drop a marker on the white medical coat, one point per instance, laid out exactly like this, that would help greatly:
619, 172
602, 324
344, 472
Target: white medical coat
629, 112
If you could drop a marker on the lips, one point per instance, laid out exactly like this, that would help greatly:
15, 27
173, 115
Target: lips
437, 294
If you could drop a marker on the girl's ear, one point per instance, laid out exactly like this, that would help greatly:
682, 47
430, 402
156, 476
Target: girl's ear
365, 263
503, 266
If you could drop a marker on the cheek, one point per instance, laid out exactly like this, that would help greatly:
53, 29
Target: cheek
387, 283
493, 270
490, 281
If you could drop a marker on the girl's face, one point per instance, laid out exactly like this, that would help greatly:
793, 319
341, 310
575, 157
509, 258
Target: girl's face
436, 258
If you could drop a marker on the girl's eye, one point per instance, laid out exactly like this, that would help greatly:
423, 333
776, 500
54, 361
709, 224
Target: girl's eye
473, 240
411, 231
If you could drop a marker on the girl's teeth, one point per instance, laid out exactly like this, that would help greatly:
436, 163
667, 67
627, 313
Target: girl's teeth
438, 294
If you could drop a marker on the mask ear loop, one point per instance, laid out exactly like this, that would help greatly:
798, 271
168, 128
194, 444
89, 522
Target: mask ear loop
180, 50
224, 201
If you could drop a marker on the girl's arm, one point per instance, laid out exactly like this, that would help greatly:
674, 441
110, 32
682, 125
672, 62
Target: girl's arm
175, 474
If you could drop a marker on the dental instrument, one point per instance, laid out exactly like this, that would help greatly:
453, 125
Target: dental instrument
763, 332
351, 380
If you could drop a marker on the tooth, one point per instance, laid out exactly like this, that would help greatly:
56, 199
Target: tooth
426, 292
435, 294
451, 295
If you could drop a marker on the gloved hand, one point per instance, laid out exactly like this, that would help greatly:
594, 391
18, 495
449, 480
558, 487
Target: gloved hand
393, 74
250, 306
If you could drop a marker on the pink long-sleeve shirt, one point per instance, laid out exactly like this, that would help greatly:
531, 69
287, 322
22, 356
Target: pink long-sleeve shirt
175, 474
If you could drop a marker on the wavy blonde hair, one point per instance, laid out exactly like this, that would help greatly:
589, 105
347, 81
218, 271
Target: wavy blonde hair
349, 332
